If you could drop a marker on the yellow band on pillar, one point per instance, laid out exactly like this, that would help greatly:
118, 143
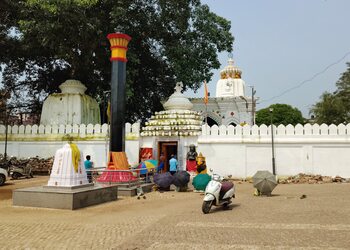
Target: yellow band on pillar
119, 46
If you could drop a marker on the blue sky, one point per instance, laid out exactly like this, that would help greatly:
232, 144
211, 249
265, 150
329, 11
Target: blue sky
281, 43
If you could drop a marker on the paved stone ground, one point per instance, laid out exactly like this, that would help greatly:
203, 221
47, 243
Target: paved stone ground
173, 220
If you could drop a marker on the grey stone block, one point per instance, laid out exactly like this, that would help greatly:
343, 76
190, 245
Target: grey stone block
131, 191
64, 198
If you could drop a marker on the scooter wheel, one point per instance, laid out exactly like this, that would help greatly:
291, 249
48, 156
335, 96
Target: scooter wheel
206, 206
2, 179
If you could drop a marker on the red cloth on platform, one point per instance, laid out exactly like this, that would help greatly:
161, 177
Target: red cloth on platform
116, 177
191, 166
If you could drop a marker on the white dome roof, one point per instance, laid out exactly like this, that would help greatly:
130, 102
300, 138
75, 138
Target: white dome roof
71, 106
178, 101
72, 87
177, 120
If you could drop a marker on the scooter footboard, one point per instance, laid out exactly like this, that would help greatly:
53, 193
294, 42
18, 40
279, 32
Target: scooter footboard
230, 193
209, 197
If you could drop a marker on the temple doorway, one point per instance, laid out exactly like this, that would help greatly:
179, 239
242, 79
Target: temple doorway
211, 122
168, 148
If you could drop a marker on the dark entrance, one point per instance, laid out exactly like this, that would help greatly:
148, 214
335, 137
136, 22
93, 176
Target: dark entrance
211, 122
167, 148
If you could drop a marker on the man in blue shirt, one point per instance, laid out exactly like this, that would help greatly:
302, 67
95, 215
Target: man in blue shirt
88, 166
173, 165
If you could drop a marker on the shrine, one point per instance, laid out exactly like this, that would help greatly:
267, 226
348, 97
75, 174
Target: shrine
173, 130
231, 105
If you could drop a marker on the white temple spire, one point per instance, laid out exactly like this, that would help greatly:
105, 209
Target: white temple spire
230, 84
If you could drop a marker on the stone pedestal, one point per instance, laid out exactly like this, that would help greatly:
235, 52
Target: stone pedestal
64, 198
68, 186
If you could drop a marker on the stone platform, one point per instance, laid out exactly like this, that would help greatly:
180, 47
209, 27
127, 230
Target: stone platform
131, 190
64, 197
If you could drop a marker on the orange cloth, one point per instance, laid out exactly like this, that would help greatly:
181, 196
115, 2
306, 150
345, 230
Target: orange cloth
206, 95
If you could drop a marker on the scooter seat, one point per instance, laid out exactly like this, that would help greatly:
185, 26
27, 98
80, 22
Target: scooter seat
225, 186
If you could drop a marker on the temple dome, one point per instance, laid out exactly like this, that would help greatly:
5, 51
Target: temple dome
178, 101
230, 71
72, 87
71, 106
230, 84
177, 120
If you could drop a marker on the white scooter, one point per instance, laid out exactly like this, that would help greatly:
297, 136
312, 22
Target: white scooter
217, 193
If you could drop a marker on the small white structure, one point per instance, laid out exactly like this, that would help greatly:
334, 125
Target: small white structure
230, 106
177, 120
172, 131
71, 106
64, 173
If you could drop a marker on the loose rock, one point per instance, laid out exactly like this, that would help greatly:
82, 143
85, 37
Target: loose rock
311, 179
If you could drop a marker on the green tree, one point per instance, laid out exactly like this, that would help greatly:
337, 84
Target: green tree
281, 114
334, 107
4, 96
46, 42
330, 109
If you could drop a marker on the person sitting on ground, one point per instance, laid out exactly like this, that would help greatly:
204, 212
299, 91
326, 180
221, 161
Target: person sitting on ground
88, 166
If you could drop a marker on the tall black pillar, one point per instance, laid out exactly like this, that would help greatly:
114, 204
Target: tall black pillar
117, 133
119, 44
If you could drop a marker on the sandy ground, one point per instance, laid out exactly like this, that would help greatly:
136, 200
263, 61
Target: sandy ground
172, 220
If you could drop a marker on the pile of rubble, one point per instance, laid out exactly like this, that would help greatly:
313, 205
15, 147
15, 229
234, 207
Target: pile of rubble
311, 179
40, 166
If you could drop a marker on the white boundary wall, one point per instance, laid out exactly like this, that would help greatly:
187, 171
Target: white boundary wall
43, 141
241, 151
238, 151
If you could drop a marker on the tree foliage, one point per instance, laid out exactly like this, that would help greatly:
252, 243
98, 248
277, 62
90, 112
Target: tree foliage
281, 114
44, 42
335, 107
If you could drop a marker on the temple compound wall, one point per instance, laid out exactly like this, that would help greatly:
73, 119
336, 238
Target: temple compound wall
238, 151
313, 149
44, 140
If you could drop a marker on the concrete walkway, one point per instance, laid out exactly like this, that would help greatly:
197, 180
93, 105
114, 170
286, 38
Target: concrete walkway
174, 220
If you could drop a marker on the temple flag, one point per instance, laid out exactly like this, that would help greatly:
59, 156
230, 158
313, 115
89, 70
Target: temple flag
205, 92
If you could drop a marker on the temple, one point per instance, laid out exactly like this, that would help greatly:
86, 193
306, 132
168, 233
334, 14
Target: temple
173, 130
72, 106
231, 105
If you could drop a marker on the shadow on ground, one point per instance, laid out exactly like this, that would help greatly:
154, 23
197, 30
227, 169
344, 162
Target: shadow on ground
224, 209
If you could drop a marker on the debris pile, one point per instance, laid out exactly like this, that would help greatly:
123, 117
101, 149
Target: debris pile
311, 179
40, 166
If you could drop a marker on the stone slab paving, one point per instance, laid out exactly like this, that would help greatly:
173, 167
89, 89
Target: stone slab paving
173, 220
